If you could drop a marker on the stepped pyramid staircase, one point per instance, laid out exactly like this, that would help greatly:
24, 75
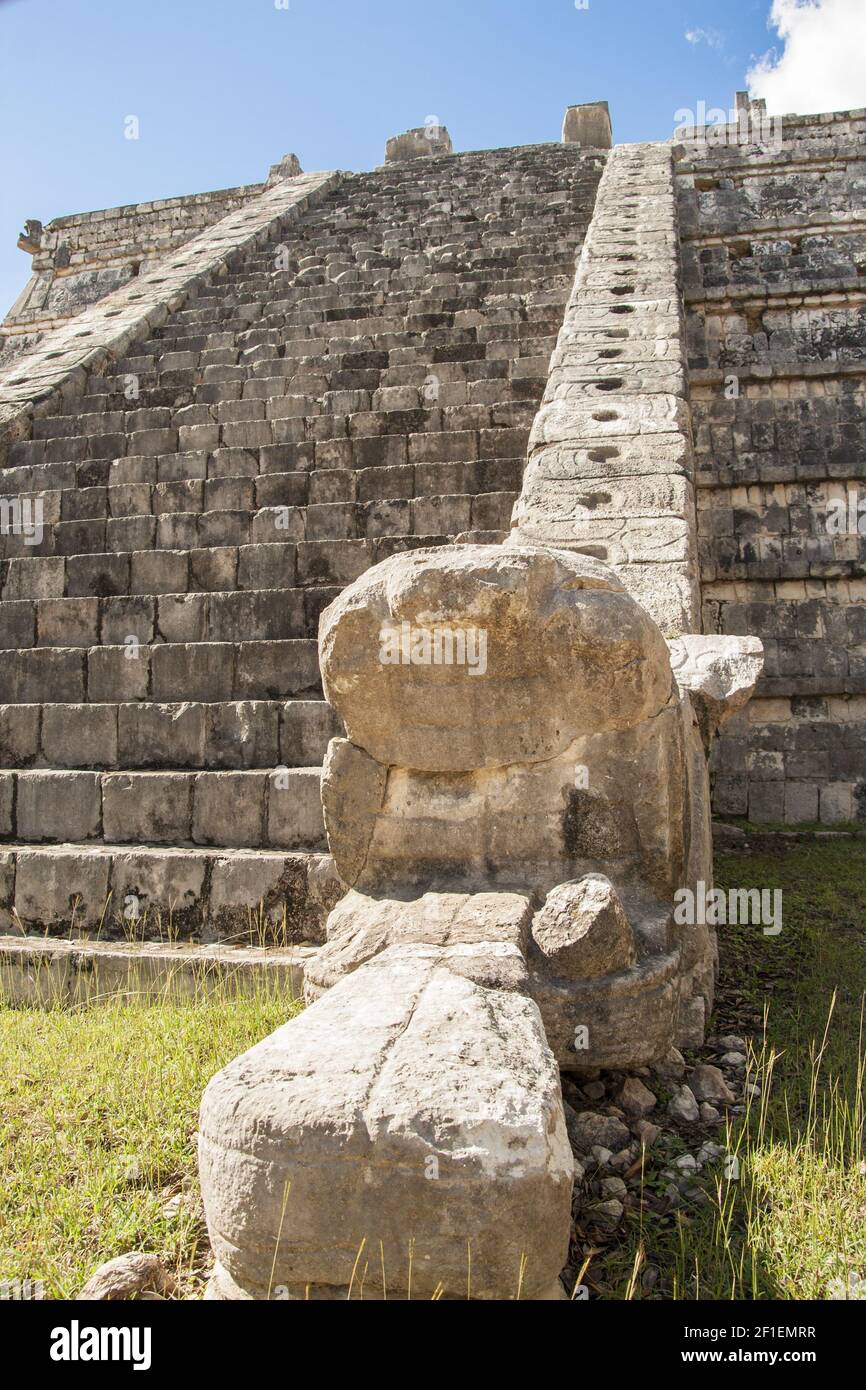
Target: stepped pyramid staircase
358, 378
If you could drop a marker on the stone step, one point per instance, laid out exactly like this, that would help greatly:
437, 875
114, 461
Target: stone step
278, 808
207, 671
209, 487
479, 289
175, 358
294, 420
145, 892
227, 735
328, 521
311, 565
192, 530
384, 287
453, 384
258, 615
47, 972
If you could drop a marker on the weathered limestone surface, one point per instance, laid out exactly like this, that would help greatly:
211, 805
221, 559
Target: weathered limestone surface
588, 124
720, 675
417, 1105
773, 237
336, 371
582, 929
564, 652
610, 455
513, 837
425, 142
106, 328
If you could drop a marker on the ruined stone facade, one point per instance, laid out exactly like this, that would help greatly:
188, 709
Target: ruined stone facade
224, 409
774, 273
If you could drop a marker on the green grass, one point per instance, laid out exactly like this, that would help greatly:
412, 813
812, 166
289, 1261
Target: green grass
98, 1112
795, 1220
846, 827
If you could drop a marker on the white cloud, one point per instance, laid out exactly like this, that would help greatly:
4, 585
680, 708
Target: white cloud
711, 37
822, 66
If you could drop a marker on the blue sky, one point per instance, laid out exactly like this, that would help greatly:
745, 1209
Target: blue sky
223, 88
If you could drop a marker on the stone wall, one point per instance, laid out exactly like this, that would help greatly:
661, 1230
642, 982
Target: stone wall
610, 455
79, 259
773, 242
345, 368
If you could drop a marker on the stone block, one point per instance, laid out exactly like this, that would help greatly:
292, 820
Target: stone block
118, 674
60, 806
161, 892
147, 807
446, 1102
19, 734
424, 142
229, 808
79, 736
241, 734
306, 729
193, 671
295, 817
160, 735
57, 890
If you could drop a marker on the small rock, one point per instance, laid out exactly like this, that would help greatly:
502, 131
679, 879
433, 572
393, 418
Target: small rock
709, 1114
725, 835
733, 1059
750, 1089
594, 1090
129, 1276
591, 1129
647, 1133
671, 1068
624, 1159
683, 1106
614, 1187
707, 1083
608, 1213
649, 1278
601, 1155
174, 1206
693, 1193
672, 1193
686, 1163
571, 1123
635, 1098
731, 1044
579, 1172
